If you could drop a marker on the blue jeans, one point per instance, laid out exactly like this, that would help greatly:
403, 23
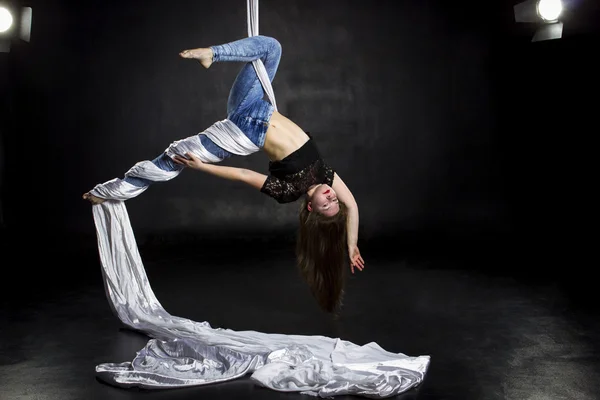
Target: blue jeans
245, 106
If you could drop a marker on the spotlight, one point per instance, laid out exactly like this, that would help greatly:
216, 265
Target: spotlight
6, 20
545, 14
549, 10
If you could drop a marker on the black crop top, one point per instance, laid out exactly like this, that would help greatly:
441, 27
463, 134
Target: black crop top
292, 176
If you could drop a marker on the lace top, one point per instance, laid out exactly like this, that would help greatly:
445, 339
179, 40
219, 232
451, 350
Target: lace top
292, 176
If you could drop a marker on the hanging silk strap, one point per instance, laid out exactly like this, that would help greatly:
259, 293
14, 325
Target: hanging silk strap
252, 8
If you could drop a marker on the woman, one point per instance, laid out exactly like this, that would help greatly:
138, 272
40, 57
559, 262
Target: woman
328, 212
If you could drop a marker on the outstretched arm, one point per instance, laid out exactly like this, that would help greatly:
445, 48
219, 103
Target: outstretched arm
250, 177
345, 196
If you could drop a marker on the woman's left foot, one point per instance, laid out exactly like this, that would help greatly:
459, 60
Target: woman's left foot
93, 199
204, 55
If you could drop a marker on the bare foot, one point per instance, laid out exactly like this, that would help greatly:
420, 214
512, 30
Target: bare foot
204, 55
93, 199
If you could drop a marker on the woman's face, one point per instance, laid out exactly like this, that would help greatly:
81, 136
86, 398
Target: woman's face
324, 201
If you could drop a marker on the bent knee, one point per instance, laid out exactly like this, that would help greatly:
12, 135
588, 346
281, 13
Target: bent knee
272, 43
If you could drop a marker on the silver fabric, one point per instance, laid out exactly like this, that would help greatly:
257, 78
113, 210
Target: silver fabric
183, 352
117, 189
228, 136
192, 145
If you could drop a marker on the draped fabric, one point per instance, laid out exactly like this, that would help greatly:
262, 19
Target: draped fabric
182, 352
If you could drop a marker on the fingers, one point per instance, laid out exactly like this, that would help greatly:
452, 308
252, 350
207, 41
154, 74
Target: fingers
358, 263
185, 161
180, 160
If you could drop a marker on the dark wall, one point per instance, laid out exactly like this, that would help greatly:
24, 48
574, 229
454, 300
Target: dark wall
4, 127
422, 107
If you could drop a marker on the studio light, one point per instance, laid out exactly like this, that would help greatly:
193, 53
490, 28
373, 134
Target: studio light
15, 24
549, 10
545, 14
6, 20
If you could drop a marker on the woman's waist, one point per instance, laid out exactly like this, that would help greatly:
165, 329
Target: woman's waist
283, 138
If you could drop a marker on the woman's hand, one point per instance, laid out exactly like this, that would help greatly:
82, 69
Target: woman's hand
356, 261
191, 161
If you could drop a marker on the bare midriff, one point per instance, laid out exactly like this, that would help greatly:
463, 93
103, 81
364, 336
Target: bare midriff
283, 137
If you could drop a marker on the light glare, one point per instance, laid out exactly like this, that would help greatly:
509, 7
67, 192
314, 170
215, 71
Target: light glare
6, 19
549, 10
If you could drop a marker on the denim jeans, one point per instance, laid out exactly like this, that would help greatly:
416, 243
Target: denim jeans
246, 107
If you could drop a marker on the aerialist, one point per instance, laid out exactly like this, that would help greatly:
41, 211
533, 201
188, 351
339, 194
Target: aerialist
329, 218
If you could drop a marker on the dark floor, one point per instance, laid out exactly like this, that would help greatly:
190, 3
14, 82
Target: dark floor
492, 331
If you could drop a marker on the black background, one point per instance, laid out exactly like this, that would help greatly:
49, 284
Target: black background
469, 150
454, 131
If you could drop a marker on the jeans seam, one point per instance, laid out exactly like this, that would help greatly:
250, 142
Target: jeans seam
218, 56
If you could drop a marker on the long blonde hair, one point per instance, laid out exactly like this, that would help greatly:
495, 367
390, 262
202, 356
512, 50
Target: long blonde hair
321, 255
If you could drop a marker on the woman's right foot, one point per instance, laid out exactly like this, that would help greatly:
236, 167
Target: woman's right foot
204, 55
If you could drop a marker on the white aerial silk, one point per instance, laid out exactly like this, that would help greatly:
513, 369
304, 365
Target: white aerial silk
182, 352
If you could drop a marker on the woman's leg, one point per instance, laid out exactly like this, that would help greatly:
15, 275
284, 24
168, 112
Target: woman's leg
247, 88
163, 162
